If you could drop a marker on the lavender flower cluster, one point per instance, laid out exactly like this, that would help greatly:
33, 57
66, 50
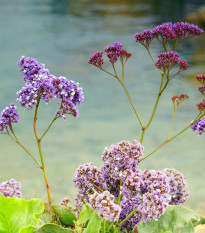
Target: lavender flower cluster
200, 124
113, 52
104, 204
40, 84
119, 180
8, 116
11, 188
168, 31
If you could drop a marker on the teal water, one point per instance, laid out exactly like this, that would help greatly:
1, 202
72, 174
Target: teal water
63, 34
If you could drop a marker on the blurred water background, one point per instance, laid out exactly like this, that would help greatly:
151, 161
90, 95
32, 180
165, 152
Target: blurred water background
63, 34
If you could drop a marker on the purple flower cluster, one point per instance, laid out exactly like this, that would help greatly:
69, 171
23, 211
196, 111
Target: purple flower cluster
40, 84
201, 78
87, 180
178, 186
199, 126
8, 116
167, 60
96, 59
104, 204
168, 31
120, 158
10, 188
113, 52
148, 191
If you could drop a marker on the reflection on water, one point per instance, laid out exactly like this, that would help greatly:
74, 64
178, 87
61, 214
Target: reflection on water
63, 34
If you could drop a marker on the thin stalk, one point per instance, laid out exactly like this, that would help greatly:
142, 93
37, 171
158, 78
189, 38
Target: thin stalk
170, 139
122, 71
104, 230
110, 226
41, 154
157, 101
130, 215
120, 195
107, 72
97, 186
128, 95
153, 59
18, 142
113, 66
170, 130
54, 119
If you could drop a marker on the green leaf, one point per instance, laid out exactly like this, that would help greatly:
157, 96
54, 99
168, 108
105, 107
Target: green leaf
176, 219
18, 215
64, 214
201, 221
53, 228
88, 220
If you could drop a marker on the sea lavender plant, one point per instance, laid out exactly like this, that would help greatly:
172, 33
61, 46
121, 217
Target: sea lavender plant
145, 195
41, 85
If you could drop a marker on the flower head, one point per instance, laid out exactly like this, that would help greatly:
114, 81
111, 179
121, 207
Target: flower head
113, 51
199, 126
183, 65
145, 37
8, 116
178, 99
178, 186
201, 78
104, 204
120, 158
202, 90
201, 106
10, 188
167, 60
96, 59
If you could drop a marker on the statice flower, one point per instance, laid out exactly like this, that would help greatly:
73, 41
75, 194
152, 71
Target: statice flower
168, 31
201, 78
153, 205
145, 37
202, 90
178, 99
183, 65
167, 60
11, 188
65, 201
128, 205
8, 116
87, 180
96, 59
120, 158
156, 181
113, 51
31, 68
70, 94
178, 186
133, 184
124, 55
186, 30
104, 204
199, 126
201, 106
164, 30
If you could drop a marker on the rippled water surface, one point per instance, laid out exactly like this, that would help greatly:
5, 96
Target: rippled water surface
63, 34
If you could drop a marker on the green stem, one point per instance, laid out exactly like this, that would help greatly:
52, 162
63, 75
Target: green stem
113, 66
122, 71
55, 118
120, 195
130, 215
158, 97
18, 142
97, 187
153, 59
128, 95
170, 130
170, 139
41, 154
107, 72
